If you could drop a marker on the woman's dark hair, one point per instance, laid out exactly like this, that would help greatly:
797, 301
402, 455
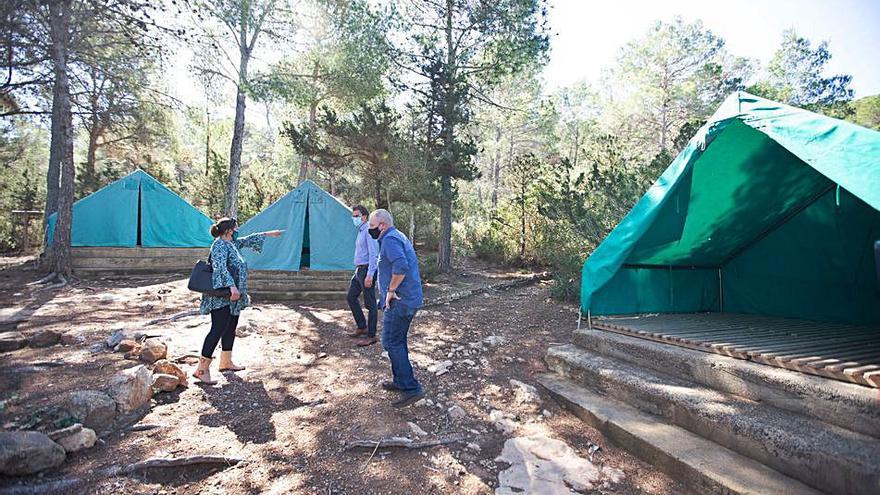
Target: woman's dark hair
362, 209
222, 226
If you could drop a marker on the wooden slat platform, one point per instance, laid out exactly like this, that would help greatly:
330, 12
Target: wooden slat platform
842, 352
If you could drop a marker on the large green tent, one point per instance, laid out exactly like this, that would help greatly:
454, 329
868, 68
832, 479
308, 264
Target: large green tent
769, 210
319, 233
136, 210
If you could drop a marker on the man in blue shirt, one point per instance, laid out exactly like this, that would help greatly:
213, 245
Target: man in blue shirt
400, 296
366, 254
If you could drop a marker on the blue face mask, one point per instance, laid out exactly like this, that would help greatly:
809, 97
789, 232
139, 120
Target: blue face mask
356, 221
234, 235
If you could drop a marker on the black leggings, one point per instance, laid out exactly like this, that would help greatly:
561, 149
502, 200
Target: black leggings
223, 325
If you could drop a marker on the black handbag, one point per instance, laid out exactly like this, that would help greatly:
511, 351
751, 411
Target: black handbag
202, 280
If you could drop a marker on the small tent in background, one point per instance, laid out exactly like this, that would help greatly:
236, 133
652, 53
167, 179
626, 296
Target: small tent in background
136, 225
136, 210
319, 234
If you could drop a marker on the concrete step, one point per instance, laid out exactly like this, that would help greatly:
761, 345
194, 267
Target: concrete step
821, 455
279, 275
851, 406
299, 296
306, 285
686, 457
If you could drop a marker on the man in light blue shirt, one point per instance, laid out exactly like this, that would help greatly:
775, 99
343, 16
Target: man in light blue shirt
366, 255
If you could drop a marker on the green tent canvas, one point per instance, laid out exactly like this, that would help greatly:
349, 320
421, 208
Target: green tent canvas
319, 234
769, 210
136, 210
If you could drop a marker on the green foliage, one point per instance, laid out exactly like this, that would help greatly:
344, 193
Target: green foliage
795, 76
867, 112
592, 201
428, 268
565, 250
675, 73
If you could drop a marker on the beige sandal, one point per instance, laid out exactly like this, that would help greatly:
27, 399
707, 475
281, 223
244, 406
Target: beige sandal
226, 362
203, 372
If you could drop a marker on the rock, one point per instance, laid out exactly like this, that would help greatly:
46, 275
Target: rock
74, 438
473, 446
73, 337
28, 452
415, 429
121, 334
525, 393
167, 367
126, 345
92, 408
494, 340
44, 338
539, 464
153, 350
440, 368
165, 383
131, 388
502, 422
546, 413
11, 341
456, 412
85, 439
469, 362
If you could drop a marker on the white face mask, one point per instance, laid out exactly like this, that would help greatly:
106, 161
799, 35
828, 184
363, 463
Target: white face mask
356, 221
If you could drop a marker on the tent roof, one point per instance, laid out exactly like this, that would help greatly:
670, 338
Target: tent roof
748, 170
135, 210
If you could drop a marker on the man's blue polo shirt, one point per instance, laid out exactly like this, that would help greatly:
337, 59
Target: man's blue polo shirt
397, 256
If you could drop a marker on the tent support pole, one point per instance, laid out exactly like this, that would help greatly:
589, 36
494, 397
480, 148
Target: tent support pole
589, 321
580, 315
720, 290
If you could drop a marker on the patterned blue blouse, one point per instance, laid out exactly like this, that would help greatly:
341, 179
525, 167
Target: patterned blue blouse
226, 260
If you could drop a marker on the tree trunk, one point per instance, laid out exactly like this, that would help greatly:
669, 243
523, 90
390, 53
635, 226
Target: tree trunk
522, 217
207, 138
305, 164
377, 194
444, 251
496, 168
53, 175
59, 259
231, 203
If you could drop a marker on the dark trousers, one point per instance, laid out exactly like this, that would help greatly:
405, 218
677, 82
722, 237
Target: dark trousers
395, 327
354, 292
223, 324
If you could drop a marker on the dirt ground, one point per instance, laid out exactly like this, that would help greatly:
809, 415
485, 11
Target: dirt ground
307, 391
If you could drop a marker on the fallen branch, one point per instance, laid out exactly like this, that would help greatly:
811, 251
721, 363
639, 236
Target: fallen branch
73, 483
179, 461
370, 458
510, 284
175, 317
182, 359
402, 442
145, 427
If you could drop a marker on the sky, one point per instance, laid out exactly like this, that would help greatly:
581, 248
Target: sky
588, 34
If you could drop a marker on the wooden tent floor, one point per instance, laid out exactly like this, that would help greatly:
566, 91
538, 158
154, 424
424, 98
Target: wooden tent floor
843, 352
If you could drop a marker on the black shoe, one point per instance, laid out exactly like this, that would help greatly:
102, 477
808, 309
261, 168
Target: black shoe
407, 400
390, 386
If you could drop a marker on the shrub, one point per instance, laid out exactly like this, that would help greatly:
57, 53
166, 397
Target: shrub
565, 252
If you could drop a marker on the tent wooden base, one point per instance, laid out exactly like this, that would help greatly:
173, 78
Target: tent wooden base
842, 352
98, 261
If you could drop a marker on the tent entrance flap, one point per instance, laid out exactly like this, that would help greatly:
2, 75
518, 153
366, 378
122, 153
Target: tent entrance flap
306, 255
